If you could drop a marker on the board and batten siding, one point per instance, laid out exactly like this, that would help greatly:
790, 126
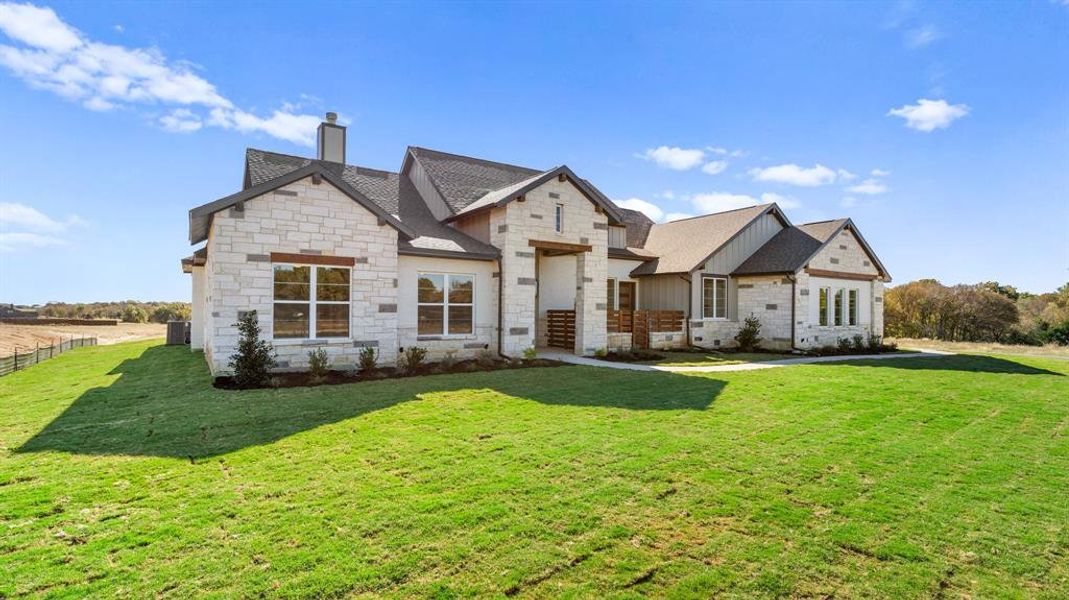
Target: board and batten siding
476, 225
426, 189
728, 258
664, 292
617, 237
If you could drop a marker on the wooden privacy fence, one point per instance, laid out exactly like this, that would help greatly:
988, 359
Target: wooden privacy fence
20, 360
560, 328
625, 321
640, 323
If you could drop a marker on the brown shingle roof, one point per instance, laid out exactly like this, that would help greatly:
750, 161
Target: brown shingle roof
790, 249
463, 179
681, 246
638, 227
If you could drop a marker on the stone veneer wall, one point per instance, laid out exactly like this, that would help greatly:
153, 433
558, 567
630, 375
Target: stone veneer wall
767, 297
843, 254
302, 217
512, 226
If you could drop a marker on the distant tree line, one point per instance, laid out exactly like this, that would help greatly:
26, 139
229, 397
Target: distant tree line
983, 312
130, 311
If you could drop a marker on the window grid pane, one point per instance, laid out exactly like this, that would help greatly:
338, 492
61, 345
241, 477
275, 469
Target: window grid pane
853, 307
291, 320
298, 313
721, 308
838, 308
824, 306
610, 290
430, 319
332, 320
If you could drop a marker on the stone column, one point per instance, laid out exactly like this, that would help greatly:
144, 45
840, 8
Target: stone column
590, 294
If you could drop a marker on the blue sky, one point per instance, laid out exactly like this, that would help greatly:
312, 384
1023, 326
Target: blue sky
941, 129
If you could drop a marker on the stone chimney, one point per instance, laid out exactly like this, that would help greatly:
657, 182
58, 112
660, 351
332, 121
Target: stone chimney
331, 142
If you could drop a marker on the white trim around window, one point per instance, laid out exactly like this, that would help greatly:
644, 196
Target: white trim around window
445, 305
714, 298
310, 302
558, 218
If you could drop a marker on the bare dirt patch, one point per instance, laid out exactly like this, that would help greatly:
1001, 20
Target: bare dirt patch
27, 337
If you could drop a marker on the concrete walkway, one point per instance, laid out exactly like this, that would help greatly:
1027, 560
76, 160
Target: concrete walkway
771, 364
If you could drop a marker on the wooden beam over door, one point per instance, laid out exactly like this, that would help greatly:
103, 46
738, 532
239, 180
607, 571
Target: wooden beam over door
841, 275
559, 246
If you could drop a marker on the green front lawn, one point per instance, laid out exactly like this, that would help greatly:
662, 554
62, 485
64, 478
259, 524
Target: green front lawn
124, 473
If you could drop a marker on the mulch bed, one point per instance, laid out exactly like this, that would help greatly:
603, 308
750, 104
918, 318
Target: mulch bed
305, 379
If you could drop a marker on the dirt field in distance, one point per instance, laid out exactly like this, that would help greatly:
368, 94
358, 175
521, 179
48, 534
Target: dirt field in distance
26, 337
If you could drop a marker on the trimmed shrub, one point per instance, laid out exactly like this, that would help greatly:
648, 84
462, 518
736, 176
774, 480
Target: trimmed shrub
368, 358
530, 353
317, 364
255, 357
747, 338
845, 345
411, 359
485, 359
448, 361
859, 342
875, 342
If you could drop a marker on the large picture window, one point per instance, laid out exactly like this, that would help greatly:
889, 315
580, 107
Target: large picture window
714, 298
446, 304
311, 302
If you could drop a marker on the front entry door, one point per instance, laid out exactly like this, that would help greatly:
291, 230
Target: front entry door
627, 295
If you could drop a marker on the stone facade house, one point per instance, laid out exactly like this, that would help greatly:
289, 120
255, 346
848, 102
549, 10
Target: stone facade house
461, 255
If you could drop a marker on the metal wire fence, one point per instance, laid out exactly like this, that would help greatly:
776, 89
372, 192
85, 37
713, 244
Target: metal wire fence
22, 359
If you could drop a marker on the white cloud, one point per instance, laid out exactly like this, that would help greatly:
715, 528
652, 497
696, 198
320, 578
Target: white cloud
647, 208
12, 242
795, 175
54, 56
715, 167
669, 194
721, 201
37, 229
787, 202
922, 36
678, 159
118, 28
881, 172
37, 27
676, 216
929, 115
27, 217
720, 151
869, 186
181, 120
845, 175
651, 210
848, 201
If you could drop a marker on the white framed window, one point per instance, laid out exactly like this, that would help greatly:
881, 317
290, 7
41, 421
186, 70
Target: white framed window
558, 218
840, 308
446, 304
825, 305
310, 302
852, 309
714, 298
610, 287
